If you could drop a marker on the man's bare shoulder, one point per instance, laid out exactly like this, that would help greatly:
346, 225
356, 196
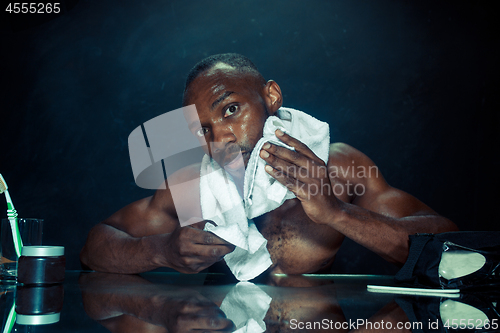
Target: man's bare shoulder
181, 180
356, 172
186, 174
342, 153
181, 198
158, 213
349, 162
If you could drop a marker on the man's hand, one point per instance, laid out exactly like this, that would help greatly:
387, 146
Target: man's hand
191, 249
303, 173
192, 312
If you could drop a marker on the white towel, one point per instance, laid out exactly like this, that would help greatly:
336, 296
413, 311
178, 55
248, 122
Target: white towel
221, 202
246, 306
262, 192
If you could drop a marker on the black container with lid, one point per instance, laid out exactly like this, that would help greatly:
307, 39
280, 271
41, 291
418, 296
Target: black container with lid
41, 265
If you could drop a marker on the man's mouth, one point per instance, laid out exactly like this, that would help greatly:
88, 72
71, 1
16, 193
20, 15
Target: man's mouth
237, 161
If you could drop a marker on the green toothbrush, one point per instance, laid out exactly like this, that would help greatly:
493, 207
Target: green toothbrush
12, 216
11, 319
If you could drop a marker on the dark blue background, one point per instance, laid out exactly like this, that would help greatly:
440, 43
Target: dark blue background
412, 84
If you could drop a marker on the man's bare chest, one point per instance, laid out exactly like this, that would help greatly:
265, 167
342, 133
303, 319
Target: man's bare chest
296, 244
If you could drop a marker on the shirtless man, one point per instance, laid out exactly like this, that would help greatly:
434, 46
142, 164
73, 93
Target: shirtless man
233, 101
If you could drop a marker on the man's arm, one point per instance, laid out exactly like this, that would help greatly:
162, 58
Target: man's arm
146, 235
132, 240
381, 218
378, 216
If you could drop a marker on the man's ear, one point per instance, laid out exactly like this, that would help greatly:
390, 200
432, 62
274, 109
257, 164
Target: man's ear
272, 96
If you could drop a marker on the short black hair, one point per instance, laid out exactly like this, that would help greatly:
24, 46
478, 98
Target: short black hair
238, 61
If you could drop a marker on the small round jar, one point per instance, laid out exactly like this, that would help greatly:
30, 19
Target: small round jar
41, 265
39, 305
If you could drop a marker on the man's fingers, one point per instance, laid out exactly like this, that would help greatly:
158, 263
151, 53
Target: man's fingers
201, 225
297, 187
212, 239
197, 257
198, 236
204, 243
300, 148
292, 164
303, 173
273, 154
216, 252
197, 249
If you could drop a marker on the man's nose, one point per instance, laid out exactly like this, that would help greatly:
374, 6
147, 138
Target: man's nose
222, 136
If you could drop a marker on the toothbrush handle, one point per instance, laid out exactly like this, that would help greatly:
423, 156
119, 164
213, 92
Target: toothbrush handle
14, 225
11, 319
16, 235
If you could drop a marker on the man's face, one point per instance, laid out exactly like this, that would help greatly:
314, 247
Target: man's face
232, 112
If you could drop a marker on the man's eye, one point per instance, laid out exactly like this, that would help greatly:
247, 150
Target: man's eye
231, 110
201, 132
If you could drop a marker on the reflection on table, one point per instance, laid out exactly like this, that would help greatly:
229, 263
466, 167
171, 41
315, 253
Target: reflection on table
172, 302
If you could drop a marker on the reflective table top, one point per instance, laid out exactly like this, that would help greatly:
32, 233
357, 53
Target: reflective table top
173, 302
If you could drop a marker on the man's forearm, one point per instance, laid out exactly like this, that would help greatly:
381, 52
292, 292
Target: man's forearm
386, 236
108, 295
111, 250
